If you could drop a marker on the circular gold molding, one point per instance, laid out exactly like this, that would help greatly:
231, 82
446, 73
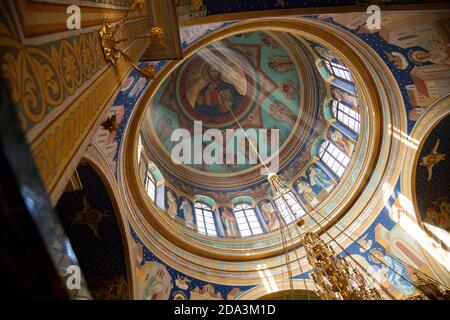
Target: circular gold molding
252, 175
381, 163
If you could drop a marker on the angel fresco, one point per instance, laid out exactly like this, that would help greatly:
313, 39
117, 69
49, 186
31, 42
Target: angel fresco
279, 112
217, 96
89, 216
430, 160
280, 64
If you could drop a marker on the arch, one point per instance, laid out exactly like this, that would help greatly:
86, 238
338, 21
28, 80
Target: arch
94, 160
247, 219
424, 126
333, 157
206, 222
346, 116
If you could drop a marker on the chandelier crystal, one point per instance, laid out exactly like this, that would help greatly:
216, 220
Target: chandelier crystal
334, 275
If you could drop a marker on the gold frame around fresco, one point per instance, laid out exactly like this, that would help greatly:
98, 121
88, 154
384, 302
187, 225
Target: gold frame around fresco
163, 13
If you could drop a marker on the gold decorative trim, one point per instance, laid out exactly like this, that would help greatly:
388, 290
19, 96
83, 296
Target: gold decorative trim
432, 116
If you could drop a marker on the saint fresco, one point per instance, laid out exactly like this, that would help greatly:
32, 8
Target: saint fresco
217, 96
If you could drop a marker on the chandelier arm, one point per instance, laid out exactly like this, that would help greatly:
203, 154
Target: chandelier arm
284, 243
343, 231
300, 266
346, 252
391, 256
287, 228
248, 139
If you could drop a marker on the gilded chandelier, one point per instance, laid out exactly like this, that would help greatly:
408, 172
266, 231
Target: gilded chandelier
335, 278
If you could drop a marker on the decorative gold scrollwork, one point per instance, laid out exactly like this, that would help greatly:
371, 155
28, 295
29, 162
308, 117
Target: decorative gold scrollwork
109, 40
41, 78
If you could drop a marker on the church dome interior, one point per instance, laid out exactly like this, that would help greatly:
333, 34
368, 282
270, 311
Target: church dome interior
225, 150
271, 80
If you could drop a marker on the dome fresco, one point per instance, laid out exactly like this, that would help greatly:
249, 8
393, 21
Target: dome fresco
250, 74
256, 80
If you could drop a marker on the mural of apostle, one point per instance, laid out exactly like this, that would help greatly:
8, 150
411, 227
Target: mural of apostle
229, 222
217, 96
171, 205
319, 178
186, 207
269, 215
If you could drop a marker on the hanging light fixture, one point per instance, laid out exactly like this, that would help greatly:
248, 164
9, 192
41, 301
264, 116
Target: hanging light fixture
337, 279
333, 276
109, 41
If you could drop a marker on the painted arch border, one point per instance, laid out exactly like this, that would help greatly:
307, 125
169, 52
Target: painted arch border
432, 116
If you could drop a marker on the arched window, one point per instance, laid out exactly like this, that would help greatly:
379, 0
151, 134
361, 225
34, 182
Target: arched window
345, 115
339, 70
150, 184
333, 157
288, 206
205, 219
247, 221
